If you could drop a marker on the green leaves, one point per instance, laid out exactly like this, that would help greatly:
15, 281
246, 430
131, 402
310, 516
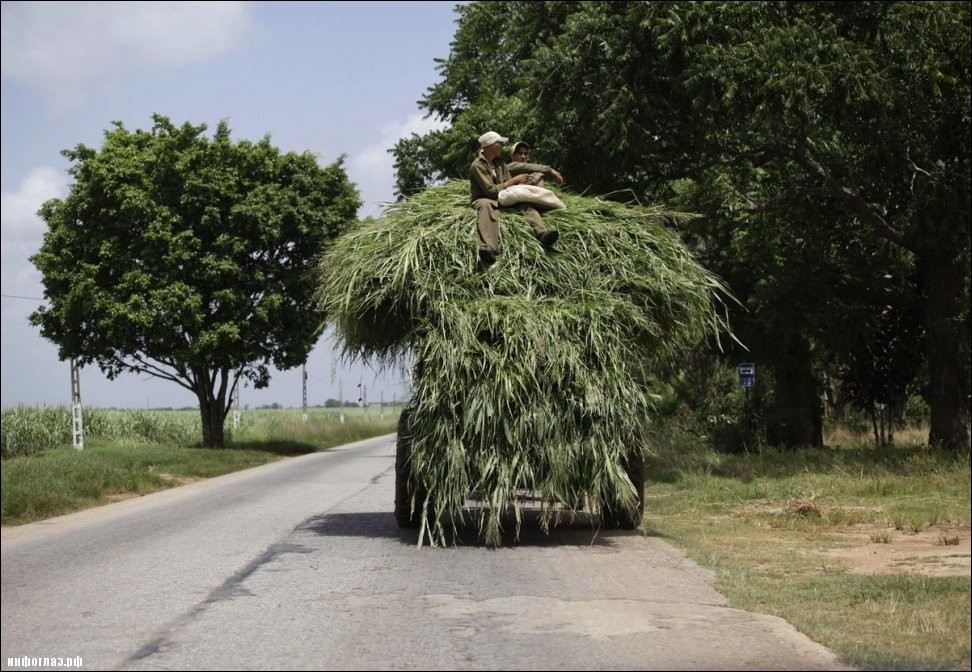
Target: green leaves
188, 257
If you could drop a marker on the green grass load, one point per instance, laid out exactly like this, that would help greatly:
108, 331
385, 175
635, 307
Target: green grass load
529, 375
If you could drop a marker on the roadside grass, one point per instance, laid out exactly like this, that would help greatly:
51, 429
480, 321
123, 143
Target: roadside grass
129, 461
763, 522
63, 480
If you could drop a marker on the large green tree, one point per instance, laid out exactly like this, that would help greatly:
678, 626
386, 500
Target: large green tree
848, 125
828, 145
189, 258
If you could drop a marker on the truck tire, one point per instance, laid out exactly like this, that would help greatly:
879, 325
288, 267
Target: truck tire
614, 516
404, 487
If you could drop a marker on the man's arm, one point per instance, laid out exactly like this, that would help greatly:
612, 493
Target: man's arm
521, 168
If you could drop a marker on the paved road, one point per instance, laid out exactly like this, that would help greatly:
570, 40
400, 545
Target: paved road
299, 565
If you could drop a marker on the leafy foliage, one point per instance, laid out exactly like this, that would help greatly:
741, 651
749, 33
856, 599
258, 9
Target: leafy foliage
188, 258
530, 374
826, 144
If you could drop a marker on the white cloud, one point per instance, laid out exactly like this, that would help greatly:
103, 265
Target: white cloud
21, 230
373, 168
18, 209
58, 48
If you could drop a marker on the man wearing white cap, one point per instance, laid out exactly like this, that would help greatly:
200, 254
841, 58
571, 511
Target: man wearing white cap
488, 176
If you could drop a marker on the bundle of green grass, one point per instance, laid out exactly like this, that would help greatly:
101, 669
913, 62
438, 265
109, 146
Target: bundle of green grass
529, 374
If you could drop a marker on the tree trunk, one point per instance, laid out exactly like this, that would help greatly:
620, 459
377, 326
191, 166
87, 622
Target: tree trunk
890, 419
948, 394
212, 409
797, 418
213, 421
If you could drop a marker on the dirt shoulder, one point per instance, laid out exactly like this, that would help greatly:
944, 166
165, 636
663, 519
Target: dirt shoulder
935, 551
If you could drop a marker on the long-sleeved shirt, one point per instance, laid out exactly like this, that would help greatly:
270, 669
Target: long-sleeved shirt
486, 181
518, 167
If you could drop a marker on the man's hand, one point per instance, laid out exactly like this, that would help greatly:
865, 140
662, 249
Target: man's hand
558, 178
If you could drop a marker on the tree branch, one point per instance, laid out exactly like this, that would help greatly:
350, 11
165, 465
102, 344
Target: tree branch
853, 202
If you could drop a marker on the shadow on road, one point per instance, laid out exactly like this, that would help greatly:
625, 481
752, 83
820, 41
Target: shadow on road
580, 529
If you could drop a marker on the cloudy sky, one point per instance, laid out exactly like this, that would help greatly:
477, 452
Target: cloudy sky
329, 77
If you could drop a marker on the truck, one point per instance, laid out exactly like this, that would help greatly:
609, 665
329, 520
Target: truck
412, 495
532, 377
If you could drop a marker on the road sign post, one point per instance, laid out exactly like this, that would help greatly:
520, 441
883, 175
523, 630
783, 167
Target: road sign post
747, 379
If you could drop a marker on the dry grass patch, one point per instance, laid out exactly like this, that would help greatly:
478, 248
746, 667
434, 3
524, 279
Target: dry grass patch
944, 549
909, 552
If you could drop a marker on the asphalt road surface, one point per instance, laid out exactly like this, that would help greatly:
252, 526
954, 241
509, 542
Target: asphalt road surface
299, 565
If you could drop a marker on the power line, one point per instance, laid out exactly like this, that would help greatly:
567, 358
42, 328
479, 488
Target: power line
26, 298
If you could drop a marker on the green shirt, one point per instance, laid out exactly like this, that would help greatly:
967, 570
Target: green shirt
518, 167
485, 182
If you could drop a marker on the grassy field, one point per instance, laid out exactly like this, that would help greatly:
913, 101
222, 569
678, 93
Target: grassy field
865, 550
127, 453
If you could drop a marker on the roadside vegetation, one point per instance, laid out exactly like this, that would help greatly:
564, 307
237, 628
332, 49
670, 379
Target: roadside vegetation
790, 532
863, 549
182, 257
133, 452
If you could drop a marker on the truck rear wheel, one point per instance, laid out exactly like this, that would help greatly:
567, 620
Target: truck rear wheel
615, 516
404, 486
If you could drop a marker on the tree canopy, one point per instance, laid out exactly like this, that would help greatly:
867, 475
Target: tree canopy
826, 144
189, 258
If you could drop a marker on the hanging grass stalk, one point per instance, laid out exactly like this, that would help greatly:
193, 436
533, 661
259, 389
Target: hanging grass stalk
528, 374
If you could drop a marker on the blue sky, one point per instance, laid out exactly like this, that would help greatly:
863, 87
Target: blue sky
333, 78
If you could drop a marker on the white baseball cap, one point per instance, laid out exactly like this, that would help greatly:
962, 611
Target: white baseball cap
491, 138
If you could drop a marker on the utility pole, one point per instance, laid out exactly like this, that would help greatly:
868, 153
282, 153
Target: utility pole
341, 398
77, 422
363, 398
381, 406
303, 377
236, 404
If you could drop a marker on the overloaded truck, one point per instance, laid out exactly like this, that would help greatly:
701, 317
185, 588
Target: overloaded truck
412, 494
530, 376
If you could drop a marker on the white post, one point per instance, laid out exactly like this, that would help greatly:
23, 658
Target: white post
77, 422
303, 377
236, 404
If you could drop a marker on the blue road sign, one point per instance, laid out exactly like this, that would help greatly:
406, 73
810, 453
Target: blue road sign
747, 374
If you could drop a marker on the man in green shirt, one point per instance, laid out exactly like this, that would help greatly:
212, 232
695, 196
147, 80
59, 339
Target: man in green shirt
520, 163
488, 176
